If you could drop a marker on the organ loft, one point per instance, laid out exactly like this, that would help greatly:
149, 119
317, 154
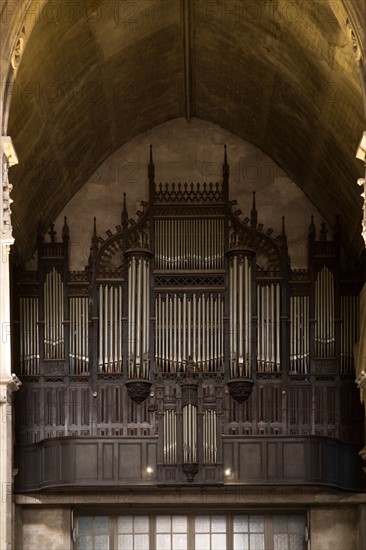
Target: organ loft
187, 352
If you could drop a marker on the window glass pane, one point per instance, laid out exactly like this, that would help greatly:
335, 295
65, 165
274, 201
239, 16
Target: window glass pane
101, 524
240, 524
280, 542
296, 524
296, 542
85, 543
101, 542
218, 542
202, 541
163, 524
256, 542
179, 542
125, 542
163, 542
256, 524
280, 524
202, 524
241, 542
218, 524
141, 524
141, 542
179, 524
85, 525
125, 524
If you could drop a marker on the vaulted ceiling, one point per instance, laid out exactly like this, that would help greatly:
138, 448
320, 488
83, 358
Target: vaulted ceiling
279, 74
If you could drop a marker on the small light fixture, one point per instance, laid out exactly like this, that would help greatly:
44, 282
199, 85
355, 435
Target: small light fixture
149, 470
228, 472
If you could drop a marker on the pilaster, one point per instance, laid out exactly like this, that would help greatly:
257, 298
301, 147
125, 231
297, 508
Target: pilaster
8, 383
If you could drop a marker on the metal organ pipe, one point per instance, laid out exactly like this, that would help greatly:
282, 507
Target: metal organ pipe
29, 344
324, 310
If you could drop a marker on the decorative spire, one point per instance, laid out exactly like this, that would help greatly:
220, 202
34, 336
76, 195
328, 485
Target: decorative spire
225, 167
52, 232
323, 232
283, 235
65, 230
312, 230
124, 213
95, 237
151, 168
254, 213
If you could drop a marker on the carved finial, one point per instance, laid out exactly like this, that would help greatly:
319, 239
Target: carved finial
124, 213
323, 232
65, 230
225, 167
312, 230
52, 232
283, 234
254, 213
151, 168
95, 237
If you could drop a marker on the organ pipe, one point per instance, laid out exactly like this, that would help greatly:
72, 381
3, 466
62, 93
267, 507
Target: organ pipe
170, 437
240, 316
189, 325
299, 334
110, 328
79, 354
324, 314
209, 436
53, 316
189, 244
268, 328
189, 433
29, 343
139, 317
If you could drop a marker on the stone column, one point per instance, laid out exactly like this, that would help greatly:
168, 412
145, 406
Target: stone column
8, 383
360, 359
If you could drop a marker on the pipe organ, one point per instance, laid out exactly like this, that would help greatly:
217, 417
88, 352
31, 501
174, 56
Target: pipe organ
187, 328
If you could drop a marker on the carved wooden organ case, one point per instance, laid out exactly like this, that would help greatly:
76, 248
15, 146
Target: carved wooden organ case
188, 325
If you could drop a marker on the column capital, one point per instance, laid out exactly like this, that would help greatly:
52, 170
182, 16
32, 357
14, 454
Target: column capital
7, 148
8, 384
8, 157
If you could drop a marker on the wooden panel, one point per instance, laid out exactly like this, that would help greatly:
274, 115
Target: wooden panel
129, 461
274, 466
250, 461
294, 460
86, 461
107, 461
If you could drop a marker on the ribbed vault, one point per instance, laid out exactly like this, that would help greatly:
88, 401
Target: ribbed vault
279, 74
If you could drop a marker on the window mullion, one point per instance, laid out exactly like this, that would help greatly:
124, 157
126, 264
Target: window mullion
268, 532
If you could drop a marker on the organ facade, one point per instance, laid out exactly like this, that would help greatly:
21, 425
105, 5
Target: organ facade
187, 353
